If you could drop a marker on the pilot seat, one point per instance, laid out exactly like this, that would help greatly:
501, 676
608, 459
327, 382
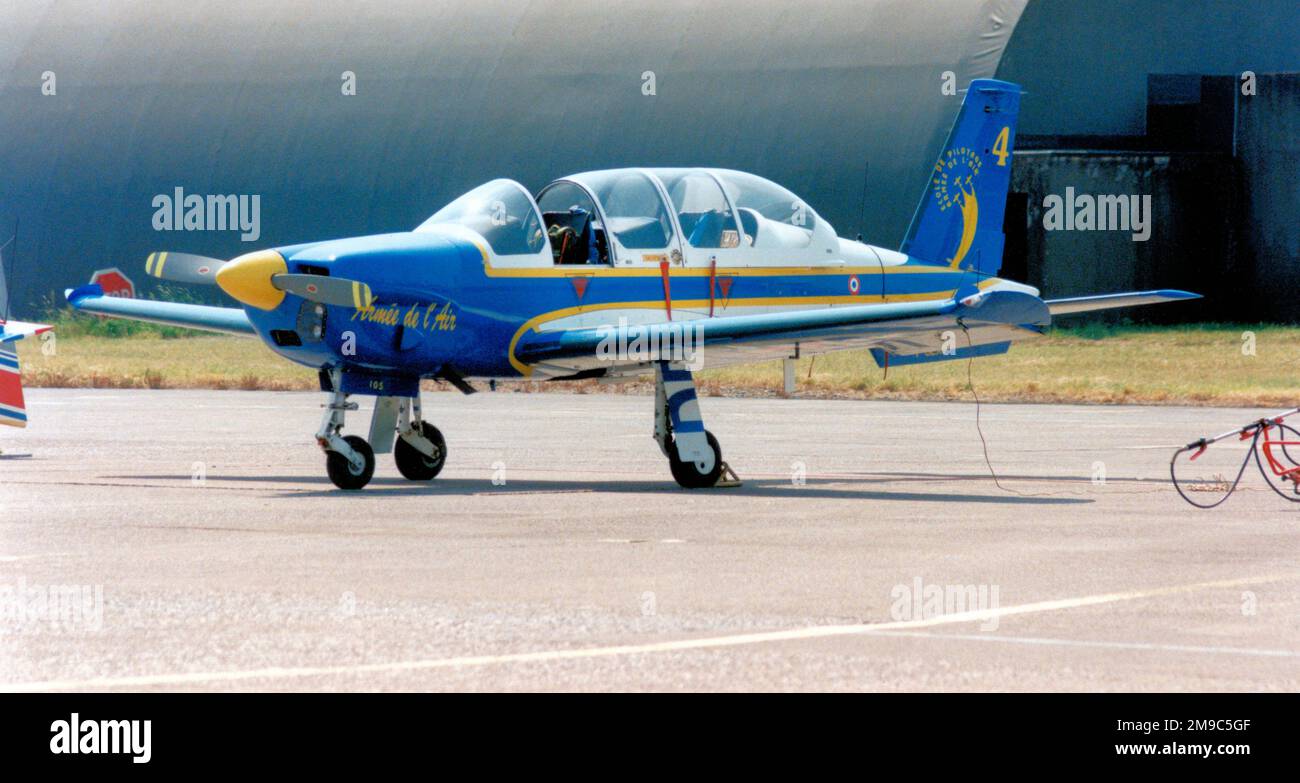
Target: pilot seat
573, 239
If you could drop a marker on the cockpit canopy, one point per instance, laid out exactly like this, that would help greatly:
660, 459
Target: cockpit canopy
623, 216
500, 212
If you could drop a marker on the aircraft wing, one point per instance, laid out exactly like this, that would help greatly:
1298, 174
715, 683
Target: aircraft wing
908, 332
230, 320
17, 330
1083, 304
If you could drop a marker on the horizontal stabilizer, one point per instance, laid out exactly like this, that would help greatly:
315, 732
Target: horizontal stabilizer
1084, 304
230, 320
17, 330
885, 359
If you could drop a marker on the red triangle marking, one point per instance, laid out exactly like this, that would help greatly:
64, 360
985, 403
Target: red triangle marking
579, 286
725, 284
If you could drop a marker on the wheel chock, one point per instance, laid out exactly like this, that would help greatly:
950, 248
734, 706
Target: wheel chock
728, 478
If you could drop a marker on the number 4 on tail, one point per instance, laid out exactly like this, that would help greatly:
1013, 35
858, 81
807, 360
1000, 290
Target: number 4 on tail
1000, 145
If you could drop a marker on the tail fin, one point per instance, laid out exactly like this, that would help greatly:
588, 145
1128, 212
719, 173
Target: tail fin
12, 410
959, 220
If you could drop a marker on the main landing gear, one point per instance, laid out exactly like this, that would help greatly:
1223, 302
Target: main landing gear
418, 447
694, 456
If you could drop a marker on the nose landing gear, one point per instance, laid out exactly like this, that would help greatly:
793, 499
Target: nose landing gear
418, 447
350, 462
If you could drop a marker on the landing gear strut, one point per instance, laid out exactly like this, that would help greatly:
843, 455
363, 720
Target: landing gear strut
350, 462
694, 456
418, 447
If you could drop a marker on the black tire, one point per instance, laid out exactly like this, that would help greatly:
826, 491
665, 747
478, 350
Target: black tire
688, 476
414, 465
341, 471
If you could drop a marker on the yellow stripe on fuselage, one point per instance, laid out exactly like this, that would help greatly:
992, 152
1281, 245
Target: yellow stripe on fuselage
604, 270
658, 304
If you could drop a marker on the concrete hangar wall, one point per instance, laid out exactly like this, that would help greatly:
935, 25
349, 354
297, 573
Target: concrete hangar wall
1146, 98
841, 101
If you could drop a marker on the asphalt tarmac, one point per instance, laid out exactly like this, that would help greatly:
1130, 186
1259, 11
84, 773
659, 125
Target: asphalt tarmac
190, 540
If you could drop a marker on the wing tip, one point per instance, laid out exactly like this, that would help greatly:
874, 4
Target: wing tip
75, 295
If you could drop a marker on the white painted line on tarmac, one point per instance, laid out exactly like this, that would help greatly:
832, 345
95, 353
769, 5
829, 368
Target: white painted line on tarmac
17, 558
1147, 646
708, 643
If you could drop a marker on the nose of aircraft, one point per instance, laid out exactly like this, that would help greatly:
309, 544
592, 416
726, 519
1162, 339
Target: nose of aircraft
248, 278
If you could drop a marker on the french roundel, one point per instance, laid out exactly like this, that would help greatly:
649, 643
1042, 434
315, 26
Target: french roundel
854, 285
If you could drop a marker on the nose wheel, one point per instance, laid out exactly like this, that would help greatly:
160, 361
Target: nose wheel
349, 461
420, 457
344, 472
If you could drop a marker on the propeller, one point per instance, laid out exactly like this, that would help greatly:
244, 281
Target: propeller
326, 290
183, 267
260, 279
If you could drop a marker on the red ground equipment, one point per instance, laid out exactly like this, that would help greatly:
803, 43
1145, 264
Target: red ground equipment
1275, 446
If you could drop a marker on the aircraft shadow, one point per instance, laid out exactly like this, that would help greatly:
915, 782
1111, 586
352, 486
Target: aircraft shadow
762, 487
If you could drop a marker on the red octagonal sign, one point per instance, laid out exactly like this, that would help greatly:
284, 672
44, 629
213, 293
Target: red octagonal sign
114, 282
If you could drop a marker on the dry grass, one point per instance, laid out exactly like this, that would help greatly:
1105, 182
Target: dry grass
1186, 366
151, 362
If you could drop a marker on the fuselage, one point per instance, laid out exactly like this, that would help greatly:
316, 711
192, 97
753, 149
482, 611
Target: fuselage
441, 300
446, 296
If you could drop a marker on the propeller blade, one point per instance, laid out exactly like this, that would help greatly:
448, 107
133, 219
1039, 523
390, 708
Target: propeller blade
183, 267
326, 290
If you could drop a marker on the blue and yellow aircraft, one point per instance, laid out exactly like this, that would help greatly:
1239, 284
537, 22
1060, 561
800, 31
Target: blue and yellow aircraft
617, 273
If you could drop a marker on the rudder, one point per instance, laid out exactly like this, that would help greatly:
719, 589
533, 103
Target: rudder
959, 220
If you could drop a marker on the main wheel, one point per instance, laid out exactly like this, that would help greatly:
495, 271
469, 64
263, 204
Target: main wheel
341, 471
413, 464
688, 475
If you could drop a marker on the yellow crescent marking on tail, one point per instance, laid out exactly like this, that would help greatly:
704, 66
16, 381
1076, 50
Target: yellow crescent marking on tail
148, 264
970, 213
